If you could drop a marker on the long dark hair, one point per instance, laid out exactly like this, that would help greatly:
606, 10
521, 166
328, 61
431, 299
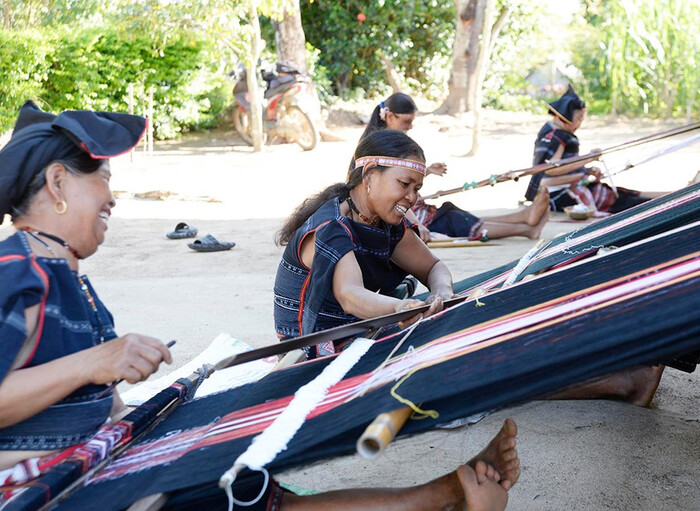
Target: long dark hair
79, 164
398, 103
391, 143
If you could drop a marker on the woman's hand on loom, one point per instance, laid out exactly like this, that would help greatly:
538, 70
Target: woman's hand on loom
132, 357
595, 172
435, 306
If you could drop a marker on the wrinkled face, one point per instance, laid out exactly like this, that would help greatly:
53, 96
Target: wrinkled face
90, 202
400, 122
393, 192
579, 116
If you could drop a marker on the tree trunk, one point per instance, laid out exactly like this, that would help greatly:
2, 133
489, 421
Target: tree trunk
392, 75
256, 112
455, 101
476, 32
482, 66
290, 39
7, 14
498, 26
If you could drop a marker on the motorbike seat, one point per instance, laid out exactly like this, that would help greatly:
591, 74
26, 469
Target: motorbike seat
279, 84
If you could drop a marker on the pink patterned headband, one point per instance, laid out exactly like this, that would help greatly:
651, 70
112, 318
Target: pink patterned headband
385, 161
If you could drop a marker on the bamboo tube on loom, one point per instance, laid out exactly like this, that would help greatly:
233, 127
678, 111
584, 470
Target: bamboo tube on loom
384, 428
381, 432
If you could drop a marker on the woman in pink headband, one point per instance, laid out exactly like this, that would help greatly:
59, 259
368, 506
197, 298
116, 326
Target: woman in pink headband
347, 248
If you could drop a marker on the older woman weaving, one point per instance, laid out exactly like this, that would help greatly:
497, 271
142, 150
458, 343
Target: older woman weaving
59, 348
350, 246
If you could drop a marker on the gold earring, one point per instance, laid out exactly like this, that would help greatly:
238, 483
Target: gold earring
61, 207
367, 189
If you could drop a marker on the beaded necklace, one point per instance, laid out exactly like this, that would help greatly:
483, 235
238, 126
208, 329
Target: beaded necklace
58, 240
93, 306
365, 219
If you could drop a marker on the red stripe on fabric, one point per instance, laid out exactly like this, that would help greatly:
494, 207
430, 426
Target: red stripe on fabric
47, 462
302, 295
42, 308
349, 232
13, 257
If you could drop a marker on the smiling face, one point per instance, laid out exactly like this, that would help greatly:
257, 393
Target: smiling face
90, 202
393, 192
400, 122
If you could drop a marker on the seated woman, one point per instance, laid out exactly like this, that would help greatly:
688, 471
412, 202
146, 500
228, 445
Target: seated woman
349, 246
569, 184
59, 346
398, 112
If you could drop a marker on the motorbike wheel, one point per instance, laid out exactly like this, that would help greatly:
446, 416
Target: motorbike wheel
241, 121
306, 133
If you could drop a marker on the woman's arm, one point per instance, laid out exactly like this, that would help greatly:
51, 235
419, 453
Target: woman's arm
561, 180
568, 167
423, 231
26, 392
415, 258
355, 299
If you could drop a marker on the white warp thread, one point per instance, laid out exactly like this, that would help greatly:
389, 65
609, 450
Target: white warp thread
268, 444
522, 264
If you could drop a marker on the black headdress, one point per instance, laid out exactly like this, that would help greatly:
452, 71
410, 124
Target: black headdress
40, 138
565, 106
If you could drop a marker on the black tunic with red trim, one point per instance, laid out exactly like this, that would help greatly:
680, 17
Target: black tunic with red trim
597, 195
66, 325
304, 301
549, 139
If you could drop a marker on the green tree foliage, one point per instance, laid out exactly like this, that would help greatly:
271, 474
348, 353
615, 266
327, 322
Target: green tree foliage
92, 68
641, 56
527, 39
24, 66
416, 34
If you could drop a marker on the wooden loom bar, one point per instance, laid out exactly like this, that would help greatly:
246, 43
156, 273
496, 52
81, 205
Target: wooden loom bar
514, 175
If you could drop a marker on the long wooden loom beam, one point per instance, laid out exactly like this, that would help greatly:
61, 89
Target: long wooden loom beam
515, 175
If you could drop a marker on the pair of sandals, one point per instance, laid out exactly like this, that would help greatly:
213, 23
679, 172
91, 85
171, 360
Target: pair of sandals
206, 243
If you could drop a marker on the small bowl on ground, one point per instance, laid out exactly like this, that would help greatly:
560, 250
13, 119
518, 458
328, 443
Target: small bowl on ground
578, 214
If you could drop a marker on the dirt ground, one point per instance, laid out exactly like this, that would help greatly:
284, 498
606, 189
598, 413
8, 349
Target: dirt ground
576, 455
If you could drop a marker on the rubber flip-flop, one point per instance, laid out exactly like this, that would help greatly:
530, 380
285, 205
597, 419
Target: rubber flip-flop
182, 231
209, 243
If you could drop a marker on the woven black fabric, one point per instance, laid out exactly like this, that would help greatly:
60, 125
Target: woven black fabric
631, 332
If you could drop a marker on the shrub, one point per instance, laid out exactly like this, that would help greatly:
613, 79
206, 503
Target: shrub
92, 69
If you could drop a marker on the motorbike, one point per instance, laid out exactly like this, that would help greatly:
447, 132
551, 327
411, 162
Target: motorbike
285, 106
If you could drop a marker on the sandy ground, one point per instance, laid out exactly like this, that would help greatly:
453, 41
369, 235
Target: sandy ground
576, 455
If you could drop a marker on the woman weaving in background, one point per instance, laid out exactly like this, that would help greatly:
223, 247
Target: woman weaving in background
571, 184
398, 112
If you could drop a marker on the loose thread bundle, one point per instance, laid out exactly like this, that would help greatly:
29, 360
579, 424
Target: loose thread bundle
418, 413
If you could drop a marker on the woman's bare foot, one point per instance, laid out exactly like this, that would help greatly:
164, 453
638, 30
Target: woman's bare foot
536, 230
539, 207
636, 385
481, 489
643, 383
502, 455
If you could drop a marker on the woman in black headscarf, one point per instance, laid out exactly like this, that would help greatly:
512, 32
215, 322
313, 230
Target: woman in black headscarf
574, 184
59, 348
